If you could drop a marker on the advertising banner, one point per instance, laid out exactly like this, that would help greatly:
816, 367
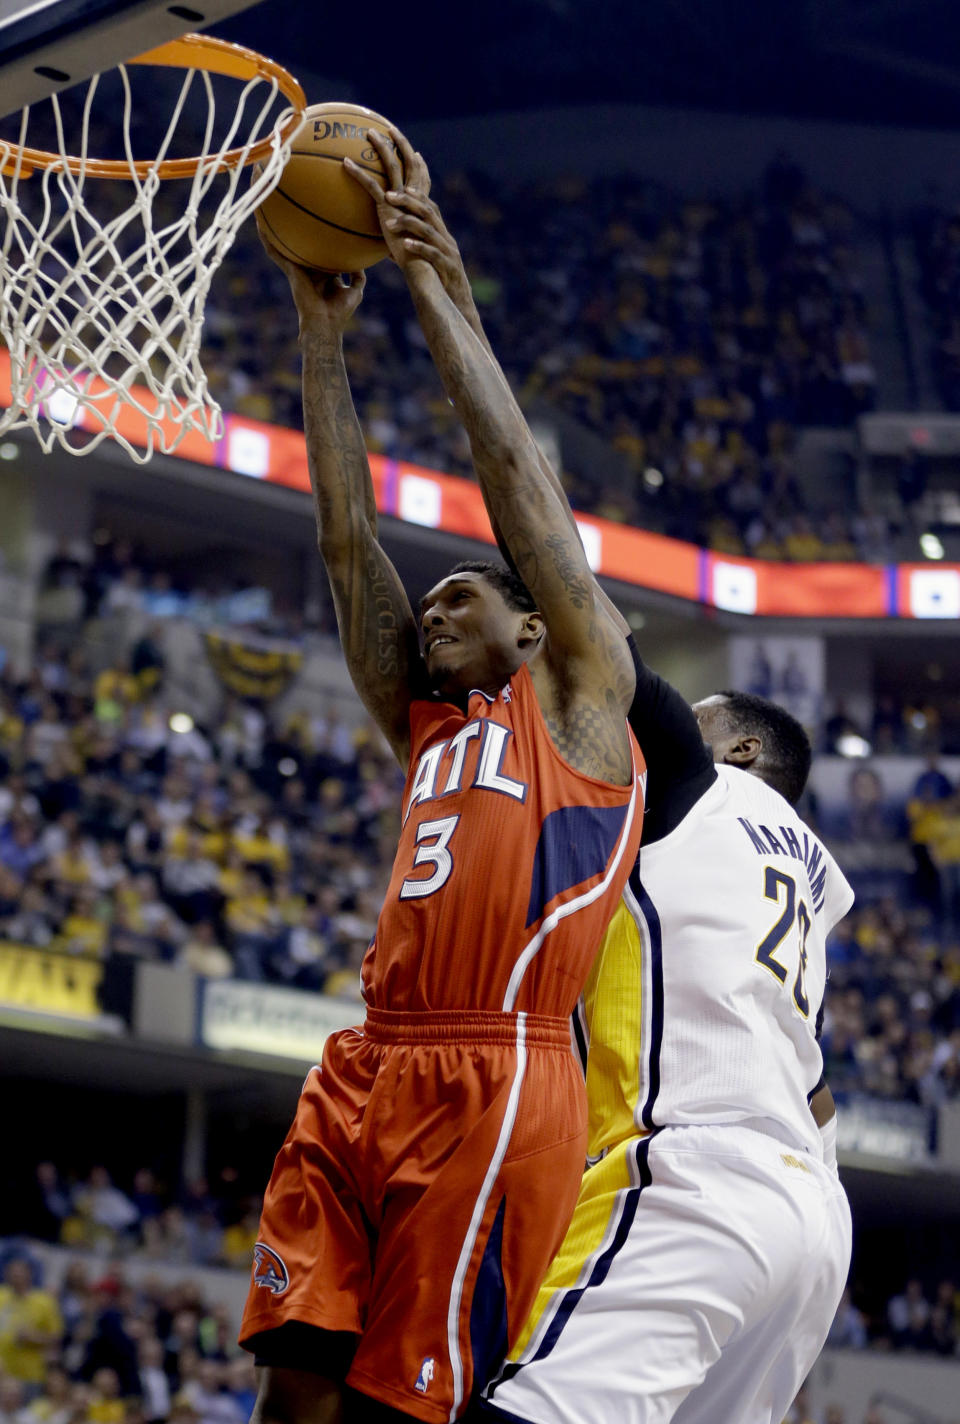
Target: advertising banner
265, 1018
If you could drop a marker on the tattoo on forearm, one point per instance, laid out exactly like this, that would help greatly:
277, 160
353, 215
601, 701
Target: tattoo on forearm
388, 632
576, 585
376, 624
530, 513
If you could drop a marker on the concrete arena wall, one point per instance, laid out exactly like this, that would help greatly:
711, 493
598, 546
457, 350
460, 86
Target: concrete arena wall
872, 166
911, 1388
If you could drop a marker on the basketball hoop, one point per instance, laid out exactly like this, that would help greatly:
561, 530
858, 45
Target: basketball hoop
101, 304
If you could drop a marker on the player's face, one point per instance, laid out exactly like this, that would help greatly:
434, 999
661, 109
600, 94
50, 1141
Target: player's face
471, 636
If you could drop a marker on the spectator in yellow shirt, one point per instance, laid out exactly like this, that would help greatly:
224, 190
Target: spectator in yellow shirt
84, 930
837, 544
257, 847
945, 853
105, 1405
925, 814
30, 1323
240, 1239
55, 1404
803, 544
70, 867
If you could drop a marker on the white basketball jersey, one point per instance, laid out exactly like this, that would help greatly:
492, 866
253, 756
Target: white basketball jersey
702, 1004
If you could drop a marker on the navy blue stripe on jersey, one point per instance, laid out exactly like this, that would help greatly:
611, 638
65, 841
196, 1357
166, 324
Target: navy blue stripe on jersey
654, 987
571, 1299
488, 1313
576, 843
580, 1034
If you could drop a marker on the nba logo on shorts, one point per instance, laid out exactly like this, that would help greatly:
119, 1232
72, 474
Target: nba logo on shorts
427, 1371
269, 1269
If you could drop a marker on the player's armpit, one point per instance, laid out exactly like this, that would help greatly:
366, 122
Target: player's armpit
586, 723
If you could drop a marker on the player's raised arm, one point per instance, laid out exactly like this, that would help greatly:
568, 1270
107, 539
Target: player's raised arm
377, 626
532, 516
420, 220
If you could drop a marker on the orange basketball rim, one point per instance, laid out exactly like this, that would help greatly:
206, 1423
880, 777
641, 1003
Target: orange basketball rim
101, 307
204, 52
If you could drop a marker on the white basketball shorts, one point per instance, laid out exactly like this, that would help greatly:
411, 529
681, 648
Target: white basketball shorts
697, 1283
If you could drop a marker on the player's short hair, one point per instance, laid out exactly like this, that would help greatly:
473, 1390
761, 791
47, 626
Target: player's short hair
509, 585
787, 753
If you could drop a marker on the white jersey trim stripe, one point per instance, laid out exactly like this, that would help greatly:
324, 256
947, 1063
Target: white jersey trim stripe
480, 1206
578, 903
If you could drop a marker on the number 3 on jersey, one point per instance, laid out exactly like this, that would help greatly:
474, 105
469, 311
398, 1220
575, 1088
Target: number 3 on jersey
794, 910
433, 839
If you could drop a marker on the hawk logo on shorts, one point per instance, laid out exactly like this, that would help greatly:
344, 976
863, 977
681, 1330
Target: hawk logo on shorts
427, 1371
269, 1269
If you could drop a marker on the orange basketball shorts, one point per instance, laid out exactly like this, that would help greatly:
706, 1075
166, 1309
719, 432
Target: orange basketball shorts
422, 1191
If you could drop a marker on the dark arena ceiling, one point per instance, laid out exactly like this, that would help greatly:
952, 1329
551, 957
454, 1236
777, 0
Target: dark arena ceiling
890, 61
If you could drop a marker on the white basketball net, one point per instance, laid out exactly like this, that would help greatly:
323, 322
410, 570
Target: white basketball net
102, 313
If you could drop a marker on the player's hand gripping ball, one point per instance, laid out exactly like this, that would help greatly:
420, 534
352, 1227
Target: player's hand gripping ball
317, 216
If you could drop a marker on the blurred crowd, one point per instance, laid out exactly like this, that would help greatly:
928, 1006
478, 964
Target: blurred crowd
97, 1348
256, 847
892, 1009
914, 1318
259, 846
206, 1223
804, 1411
937, 245
108, 576
94, 1345
686, 338
900, 725
690, 337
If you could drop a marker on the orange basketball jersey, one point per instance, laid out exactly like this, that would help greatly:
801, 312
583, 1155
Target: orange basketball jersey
509, 867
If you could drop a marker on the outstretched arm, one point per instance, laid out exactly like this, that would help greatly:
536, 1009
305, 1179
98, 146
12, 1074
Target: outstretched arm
420, 222
529, 512
377, 627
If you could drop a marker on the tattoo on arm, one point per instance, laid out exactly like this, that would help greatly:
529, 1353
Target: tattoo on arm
593, 740
590, 733
377, 626
531, 517
570, 569
587, 670
388, 619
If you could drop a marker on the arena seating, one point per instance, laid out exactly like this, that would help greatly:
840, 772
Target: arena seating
937, 245
259, 848
692, 337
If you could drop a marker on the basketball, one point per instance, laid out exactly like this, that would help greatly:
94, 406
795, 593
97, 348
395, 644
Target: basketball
318, 216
